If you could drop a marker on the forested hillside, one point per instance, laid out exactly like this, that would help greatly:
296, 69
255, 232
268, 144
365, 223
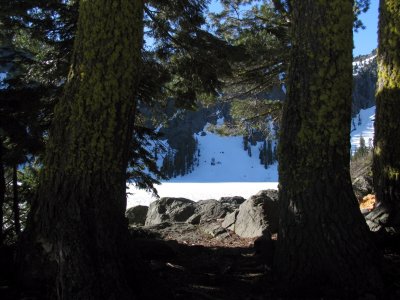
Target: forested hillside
180, 156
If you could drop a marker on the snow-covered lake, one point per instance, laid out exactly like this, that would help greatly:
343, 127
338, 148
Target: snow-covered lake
198, 191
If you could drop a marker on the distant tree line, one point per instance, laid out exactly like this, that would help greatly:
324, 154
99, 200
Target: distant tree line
182, 160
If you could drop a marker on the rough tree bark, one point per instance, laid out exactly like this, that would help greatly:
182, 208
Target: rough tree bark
16, 211
77, 222
323, 240
386, 161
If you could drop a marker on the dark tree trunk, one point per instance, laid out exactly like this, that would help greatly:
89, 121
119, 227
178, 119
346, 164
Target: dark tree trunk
16, 212
2, 192
323, 240
386, 163
78, 219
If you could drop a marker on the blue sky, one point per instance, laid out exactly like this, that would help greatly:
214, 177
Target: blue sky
364, 40
367, 40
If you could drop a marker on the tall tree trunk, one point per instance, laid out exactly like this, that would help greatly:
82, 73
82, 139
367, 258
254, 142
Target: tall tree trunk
78, 218
386, 162
16, 212
323, 240
2, 192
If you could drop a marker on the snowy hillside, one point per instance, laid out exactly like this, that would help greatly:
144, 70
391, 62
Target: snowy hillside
224, 169
362, 62
234, 172
363, 126
222, 159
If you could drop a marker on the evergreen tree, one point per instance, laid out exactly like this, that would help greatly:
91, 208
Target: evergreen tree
362, 149
77, 221
323, 239
245, 143
263, 153
386, 161
23, 121
269, 154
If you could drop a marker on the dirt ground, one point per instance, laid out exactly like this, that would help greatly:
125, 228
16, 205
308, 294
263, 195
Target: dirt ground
196, 265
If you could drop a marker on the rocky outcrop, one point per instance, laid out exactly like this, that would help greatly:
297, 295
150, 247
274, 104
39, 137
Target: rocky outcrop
137, 215
234, 201
208, 210
380, 220
171, 210
256, 216
230, 220
361, 175
364, 82
362, 186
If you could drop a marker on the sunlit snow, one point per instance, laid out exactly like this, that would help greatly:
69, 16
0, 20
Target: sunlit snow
365, 129
235, 173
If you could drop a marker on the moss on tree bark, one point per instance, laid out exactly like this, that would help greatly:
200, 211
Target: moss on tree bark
77, 222
386, 161
323, 240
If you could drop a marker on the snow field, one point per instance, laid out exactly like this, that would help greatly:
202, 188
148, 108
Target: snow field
365, 129
234, 173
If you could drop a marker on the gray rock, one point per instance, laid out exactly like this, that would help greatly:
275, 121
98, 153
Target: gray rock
258, 214
362, 186
378, 215
170, 209
229, 221
194, 219
137, 215
213, 229
374, 227
361, 175
208, 210
235, 200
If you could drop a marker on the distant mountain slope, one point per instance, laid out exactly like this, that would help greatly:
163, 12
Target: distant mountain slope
223, 159
232, 163
364, 83
363, 126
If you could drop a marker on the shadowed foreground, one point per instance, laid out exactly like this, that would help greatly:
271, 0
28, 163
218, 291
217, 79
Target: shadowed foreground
198, 266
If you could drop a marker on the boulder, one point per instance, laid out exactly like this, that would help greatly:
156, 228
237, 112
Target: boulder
361, 175
208, 210
235, 200
377, 218
258, 215
385, 227
230, 219
362, 186
171, 210
213, 229
137, 215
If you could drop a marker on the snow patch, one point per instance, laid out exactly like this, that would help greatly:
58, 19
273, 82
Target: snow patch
223, 159
363, 126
